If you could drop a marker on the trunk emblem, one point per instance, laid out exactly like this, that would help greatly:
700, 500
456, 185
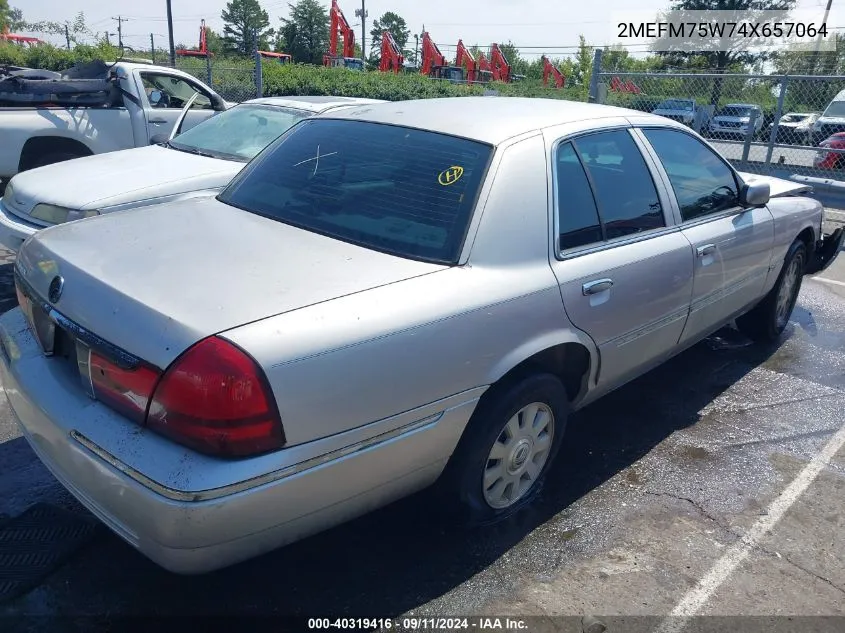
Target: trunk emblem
54, 293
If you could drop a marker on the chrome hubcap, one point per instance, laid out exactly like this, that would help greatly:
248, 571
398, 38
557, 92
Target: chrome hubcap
518, 455
786, 294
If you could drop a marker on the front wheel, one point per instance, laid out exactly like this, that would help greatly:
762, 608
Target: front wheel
769, 318
507, 448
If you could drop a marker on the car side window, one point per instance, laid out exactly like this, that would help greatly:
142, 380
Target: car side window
173, 92
578, 217
702, 182
625, 194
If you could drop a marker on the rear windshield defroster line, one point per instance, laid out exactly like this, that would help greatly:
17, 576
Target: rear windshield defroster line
394, 189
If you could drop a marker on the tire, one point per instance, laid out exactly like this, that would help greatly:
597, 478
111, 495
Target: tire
769, 318
52, 157
462, 486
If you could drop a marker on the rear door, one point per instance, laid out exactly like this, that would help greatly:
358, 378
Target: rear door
732, 244
625, 272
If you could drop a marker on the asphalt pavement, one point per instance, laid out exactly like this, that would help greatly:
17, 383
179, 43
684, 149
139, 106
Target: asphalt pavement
714, 485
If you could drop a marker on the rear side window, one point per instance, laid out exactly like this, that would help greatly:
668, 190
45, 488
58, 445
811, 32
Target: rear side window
578, 217
627, 198
394, 189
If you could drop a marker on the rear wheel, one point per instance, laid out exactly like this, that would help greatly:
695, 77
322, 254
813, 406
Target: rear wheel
507, 448
769, 318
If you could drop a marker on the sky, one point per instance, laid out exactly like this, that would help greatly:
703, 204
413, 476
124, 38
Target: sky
534, 26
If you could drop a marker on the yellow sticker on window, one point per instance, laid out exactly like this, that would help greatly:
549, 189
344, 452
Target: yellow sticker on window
450, 176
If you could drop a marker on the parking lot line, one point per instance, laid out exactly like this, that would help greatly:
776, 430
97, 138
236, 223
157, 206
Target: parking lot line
828, 281
698, 596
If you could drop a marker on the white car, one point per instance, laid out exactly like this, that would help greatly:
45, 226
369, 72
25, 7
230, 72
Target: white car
93, 108
734, 120
199, 162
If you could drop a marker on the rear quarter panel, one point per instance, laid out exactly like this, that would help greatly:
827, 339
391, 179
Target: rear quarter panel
100, 129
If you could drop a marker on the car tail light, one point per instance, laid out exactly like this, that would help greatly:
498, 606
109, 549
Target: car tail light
215, 399
127, 391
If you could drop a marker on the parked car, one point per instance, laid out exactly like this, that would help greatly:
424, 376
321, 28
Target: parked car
734, 120
794, 128
198, 162
826, 157
387, 297
681, 110
92, 109
832, 119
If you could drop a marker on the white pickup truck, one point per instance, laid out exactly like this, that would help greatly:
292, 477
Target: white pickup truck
93, 109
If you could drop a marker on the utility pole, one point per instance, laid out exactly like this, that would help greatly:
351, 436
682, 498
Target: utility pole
153, 48
120, 20
819, 40
417, 49
108, 41
67, 35
170, 34
362, 13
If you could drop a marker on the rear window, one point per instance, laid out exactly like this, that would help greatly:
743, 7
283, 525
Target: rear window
394, 189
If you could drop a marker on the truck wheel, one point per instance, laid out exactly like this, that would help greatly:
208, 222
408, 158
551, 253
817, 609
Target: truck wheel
52, 157
511, 440
768, 319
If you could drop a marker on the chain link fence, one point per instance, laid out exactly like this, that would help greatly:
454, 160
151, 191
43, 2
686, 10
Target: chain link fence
233, 83
783, 125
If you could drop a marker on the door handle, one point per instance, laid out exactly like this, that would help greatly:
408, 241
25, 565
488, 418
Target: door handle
597, 286
157, 121
707, 249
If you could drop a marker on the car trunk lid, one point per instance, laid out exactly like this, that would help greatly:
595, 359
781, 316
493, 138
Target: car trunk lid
155, 281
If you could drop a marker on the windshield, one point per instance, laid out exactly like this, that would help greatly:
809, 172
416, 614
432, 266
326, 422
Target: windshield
794, 118
393, 189
836, 108
355, 64
737, 111
240, 132
675, 104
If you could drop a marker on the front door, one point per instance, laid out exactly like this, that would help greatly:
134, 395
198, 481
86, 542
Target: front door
165, 96
625, 274
732, 245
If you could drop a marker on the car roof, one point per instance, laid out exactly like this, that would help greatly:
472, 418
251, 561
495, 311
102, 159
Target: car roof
487, 119
740, 105
313, 103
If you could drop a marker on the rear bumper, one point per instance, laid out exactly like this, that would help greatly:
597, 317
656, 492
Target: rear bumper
826, 251
13, 230
175, 516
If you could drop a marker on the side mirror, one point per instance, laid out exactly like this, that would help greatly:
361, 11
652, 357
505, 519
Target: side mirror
159, 139
754, 194
218, 103
155, 97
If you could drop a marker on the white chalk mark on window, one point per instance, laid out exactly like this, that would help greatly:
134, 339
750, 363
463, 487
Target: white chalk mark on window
315, 158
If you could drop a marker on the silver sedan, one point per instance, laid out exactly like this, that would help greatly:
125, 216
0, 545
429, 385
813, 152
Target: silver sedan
389, 296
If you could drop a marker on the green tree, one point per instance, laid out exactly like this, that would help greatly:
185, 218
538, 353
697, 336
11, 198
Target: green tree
215, 42
246, 27
77, 29
583, 66
305, 32
398, 28
712, 54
